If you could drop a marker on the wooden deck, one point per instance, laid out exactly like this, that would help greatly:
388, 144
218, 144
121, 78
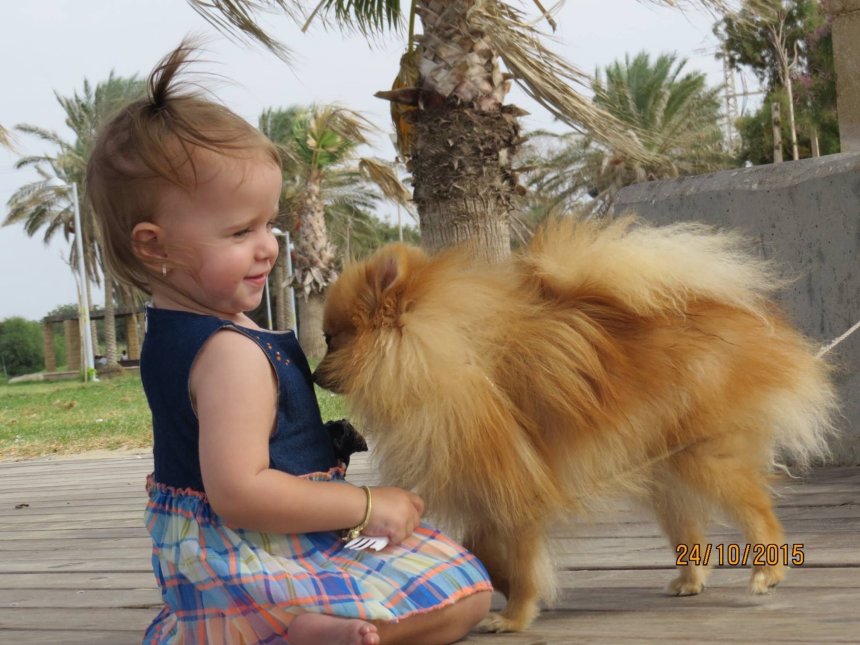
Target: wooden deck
74, 566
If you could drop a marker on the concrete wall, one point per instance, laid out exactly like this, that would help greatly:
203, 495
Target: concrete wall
805, 215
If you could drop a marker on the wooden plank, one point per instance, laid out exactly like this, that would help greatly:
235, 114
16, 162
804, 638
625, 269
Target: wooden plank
712, 624
139, 543
49, 556
43, 508
81, 598
94, 485
71, 534
13, 499
77, 522
133, 620
73, 580
93, 563
66, 637
48, 464
651, 579
58, 520
74, 468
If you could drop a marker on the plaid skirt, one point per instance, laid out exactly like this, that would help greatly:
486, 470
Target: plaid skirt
226, 585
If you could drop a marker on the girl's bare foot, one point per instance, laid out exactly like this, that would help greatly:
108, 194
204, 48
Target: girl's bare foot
313, 629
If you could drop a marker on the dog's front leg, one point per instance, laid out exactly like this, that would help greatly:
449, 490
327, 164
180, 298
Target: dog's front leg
520, 568
492, 551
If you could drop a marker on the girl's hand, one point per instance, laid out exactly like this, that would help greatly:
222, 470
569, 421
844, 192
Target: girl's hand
395, 513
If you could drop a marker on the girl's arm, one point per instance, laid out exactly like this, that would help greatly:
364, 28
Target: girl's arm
235, 392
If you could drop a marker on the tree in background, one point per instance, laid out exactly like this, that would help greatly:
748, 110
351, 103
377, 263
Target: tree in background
448, 101
21, 349
748, 41
46, 204
353, 198
322, 185
674, 114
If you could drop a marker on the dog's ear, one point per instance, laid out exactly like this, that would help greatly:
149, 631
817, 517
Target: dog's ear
390, 269
388, 272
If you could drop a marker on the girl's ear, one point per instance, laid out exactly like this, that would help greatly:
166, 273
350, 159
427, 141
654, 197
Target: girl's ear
146, 240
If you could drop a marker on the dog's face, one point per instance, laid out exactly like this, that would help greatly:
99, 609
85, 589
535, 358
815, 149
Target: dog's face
363, 307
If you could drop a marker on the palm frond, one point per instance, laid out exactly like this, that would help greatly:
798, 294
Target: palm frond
549, 79
45, 205
239, 20
677, 114
347, 124
6, 139
329, 134
368, 17
42, 133
719, 7
32, 160
384, 176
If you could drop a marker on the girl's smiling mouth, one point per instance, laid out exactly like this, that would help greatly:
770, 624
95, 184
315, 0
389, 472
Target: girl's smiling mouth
258, 280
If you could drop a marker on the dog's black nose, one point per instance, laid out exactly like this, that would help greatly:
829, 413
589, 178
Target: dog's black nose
325, 380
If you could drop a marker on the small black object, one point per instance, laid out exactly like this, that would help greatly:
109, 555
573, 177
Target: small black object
345, 439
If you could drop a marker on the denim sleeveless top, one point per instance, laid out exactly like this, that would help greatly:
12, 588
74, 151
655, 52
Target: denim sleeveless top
299, 445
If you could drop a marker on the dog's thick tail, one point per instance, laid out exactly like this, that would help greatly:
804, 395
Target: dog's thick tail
648, 268
650, 271
804, 414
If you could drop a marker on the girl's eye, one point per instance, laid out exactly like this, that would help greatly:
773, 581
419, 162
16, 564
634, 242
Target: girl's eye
242, 233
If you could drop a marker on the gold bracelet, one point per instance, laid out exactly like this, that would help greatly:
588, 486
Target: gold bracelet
354, 532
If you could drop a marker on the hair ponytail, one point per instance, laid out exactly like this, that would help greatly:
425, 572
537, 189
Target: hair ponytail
162, 84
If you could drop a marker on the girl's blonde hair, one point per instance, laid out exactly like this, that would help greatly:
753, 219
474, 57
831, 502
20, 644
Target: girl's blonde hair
153, 142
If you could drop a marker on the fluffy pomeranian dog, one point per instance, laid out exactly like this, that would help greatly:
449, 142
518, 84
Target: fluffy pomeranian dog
608, 357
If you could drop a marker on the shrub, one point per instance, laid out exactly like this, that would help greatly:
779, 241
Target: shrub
21, 350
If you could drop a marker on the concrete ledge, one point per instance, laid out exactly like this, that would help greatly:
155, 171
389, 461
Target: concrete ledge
804, 215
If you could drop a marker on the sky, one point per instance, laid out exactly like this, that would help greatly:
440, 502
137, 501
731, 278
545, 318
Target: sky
49, 46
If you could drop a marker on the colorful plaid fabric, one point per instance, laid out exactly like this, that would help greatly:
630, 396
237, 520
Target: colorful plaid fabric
223, 585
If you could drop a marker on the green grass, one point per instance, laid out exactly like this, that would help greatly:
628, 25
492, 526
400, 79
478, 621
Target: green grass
38, 419
332, 406
70, 416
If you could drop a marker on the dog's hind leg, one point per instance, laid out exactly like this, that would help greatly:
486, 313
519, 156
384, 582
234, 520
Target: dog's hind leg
520, 567
740, 488
683, 515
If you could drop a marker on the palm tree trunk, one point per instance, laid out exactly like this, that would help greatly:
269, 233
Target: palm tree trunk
464, 137
793, 128
314, 268
464, 188
310, 318
110, 319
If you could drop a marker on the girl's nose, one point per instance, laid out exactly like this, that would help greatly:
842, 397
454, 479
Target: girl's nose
268, 249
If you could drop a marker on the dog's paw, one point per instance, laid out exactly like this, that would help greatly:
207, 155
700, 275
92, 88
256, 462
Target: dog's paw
766, 578
685, 586
495, 623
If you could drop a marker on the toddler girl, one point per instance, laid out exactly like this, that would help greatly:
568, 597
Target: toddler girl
247, 500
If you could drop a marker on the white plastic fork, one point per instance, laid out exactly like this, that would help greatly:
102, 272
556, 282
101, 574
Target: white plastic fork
366, 542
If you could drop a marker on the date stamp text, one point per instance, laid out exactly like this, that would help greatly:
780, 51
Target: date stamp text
739, 555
